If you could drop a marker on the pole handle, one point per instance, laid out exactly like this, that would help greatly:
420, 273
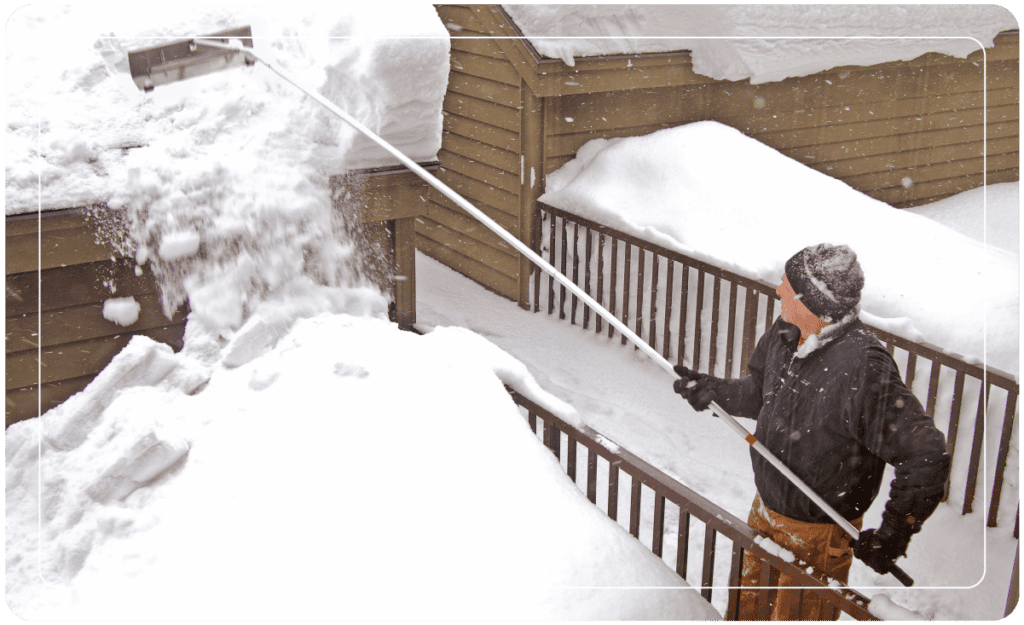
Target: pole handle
903, 578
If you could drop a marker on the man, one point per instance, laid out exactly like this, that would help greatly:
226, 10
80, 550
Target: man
829, 403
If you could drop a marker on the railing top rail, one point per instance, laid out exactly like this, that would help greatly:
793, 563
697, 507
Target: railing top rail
990, 374
698, 506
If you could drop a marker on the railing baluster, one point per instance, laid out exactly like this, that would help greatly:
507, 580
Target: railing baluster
551, 261
911, 370
732, 610
769, 578
634, 507
613, 286
954, 422
532, 420
592, 476
769, 313
575, 268
933, 388
565, 251
641, 266
600, 280
684, 302
570, 456
1001, 459
698, 321
658, 533
713, 343
652, 319
613, 491
707, 576
669, 296
626, 278
979, 440
682, 542
586, 281
751, 299
730, 341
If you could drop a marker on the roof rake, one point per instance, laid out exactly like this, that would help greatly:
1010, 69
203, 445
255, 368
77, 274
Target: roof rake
188, 58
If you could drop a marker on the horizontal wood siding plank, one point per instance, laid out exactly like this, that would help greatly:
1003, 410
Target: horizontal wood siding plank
484, 133
894, 157
480, 194
450, 230
78, 323
466, 42
33, 401
75, 285
468, 227
485, 67
503, 218
48, 220
73, 360
505, 180
463, 17
489, 90
489, 154
498, 282
490, 113
938, 193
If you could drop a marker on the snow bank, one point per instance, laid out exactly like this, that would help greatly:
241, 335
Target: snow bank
710, 192
763, 43
990, 214
73, 109
344, 465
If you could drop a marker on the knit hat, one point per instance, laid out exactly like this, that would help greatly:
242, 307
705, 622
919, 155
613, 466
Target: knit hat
827, 279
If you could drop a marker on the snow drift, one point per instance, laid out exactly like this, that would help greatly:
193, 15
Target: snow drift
678, 188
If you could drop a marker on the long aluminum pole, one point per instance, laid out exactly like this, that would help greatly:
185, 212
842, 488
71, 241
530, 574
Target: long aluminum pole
564, 281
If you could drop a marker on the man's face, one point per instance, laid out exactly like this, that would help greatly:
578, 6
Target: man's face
794, 311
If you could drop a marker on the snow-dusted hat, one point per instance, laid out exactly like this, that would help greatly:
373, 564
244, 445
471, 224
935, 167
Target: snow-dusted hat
827, 279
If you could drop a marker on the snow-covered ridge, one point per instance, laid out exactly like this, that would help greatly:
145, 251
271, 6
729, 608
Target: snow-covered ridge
708, 191
763, 43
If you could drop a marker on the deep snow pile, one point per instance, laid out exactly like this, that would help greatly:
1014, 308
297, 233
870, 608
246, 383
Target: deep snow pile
678, 188
345, 470
72, 106
227, 197
764, 43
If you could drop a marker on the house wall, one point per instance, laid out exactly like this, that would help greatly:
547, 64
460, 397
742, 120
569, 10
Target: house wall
872, 127
480, 160
58, 304
906, 133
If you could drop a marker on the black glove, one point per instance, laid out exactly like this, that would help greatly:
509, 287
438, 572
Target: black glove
880, 548
696, 388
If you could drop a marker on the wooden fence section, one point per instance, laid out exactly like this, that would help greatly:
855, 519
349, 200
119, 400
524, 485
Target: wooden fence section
480, 158
666, 516
58, 276
710, 319
906, 133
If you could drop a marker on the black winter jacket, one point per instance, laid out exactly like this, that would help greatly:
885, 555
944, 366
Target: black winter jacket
836, 416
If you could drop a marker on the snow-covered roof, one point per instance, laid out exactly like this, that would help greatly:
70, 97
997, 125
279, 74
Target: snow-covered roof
72, 106
761, 42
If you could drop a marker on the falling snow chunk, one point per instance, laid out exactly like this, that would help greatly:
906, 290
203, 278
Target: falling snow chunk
124, 311
179, 244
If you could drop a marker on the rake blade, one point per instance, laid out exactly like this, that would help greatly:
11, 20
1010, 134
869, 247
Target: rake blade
181, 60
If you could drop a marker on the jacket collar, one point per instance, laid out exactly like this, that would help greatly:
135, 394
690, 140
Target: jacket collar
828, 334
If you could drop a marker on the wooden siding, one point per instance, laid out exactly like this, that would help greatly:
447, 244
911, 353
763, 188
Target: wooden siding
55, 309
906, 133
480, 159
922, 121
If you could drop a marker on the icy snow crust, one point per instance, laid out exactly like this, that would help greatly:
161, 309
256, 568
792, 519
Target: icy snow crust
762, 43
708, 191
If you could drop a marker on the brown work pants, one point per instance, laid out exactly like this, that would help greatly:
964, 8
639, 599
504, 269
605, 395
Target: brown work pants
825, 546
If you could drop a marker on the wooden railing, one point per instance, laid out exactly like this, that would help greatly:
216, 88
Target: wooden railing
665, 515
708, 318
